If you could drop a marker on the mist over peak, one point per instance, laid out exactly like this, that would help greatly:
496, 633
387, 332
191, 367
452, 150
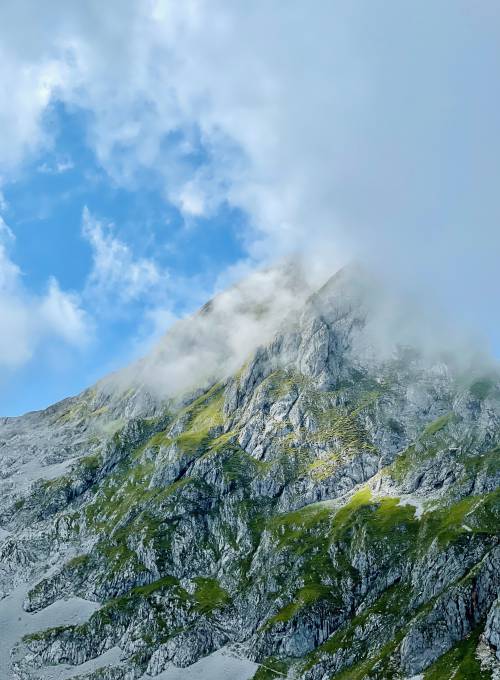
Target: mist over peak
214, 342
383, 325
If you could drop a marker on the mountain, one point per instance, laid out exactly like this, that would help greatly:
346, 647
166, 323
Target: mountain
321, 505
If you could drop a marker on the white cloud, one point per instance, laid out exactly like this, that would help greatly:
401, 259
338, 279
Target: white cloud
191, 200
216, 341
28, 86
18, 338
117, 276
347, 129
58, 167
61, 313
9, 271
28, 320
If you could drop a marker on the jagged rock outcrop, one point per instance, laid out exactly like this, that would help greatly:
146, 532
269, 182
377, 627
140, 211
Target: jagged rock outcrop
331, 508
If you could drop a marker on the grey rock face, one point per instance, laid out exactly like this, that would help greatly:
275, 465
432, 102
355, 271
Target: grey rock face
329, 507
492, 628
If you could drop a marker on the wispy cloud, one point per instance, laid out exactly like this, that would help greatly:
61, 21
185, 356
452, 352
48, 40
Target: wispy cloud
118, 277
3, 203
29, 320
57, 167
215, 342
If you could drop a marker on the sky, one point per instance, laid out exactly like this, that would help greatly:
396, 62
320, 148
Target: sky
154, 152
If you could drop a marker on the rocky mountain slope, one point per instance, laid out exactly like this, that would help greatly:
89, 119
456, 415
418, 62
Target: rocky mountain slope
327, 511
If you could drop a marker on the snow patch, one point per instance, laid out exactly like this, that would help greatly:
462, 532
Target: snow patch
221, 665
15, 622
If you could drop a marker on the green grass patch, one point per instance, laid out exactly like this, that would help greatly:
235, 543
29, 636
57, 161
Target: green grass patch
460, 662
89, 464
474, 514
293, 526
209, 595
391, 606
78, 562
271, 669
439, 424
161, 584
305, 597
487, 462
47, 634
382, 526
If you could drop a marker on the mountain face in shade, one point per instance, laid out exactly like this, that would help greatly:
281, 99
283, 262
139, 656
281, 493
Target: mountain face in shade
319, 503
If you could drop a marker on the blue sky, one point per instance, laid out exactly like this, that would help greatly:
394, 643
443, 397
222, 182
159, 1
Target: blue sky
154, 152
44, 208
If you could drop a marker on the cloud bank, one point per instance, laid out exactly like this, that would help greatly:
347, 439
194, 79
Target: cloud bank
343, 129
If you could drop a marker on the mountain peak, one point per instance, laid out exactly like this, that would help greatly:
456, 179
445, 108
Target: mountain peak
281, 481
